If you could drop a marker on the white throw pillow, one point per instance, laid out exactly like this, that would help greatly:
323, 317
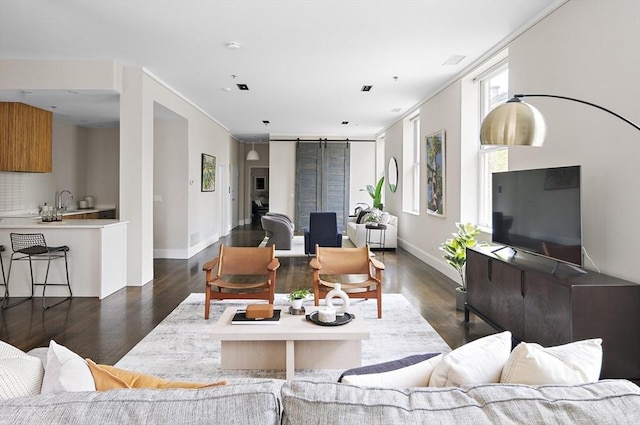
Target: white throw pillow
385, 218
574, 363
477, 362
66, 371
412, 371
20, 373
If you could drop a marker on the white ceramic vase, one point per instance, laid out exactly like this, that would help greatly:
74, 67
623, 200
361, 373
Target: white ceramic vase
338, 292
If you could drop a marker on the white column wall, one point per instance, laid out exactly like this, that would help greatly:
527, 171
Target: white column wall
282, 177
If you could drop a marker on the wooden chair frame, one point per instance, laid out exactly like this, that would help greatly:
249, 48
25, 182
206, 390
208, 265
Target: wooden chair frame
347, 261
241, 261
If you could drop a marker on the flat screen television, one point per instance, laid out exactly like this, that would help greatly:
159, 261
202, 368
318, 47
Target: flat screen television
538, 211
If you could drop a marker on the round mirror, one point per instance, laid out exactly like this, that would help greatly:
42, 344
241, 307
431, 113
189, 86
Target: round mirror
392, 175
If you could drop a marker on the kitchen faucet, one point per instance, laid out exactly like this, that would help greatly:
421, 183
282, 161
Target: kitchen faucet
59, 203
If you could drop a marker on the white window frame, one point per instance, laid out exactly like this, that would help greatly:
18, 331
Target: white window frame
484, 173
411, 165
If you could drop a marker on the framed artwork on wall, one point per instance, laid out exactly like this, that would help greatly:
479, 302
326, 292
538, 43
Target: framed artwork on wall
208, 173
260, 183
435, 144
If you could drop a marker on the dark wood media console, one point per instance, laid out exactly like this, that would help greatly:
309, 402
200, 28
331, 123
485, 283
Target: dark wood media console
521, 294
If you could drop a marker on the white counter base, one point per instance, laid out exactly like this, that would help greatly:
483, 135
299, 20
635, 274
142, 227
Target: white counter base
97, 257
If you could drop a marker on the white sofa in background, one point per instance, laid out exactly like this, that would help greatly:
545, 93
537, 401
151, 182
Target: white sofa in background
357, 233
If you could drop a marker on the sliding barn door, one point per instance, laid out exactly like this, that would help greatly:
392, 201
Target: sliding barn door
322, 180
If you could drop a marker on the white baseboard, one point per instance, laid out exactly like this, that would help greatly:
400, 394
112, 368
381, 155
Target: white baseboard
437, 263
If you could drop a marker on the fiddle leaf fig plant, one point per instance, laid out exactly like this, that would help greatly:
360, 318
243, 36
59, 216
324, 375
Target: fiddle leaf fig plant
455, 249
376, 193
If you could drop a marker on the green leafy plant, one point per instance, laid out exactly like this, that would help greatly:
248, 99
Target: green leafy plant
455, 249
376, 193
299, 294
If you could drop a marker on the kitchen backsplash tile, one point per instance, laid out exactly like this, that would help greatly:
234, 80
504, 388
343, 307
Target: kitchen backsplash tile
12, 191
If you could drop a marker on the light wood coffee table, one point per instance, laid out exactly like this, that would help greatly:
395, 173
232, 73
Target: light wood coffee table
293, 343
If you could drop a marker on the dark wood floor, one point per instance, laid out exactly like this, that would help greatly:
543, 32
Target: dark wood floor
106, 330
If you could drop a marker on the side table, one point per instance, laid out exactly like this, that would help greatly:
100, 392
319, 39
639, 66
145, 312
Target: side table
383, 233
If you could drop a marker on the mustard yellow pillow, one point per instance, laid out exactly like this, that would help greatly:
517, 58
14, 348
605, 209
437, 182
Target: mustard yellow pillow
110, 377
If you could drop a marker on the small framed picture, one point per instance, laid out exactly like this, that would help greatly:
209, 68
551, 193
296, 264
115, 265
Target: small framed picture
260, 183
208, 173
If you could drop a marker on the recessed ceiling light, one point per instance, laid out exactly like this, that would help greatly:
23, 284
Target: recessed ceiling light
345, 122
366, 88
265, 122
243, 86
454, 60
396, 110
233, 45
226, 89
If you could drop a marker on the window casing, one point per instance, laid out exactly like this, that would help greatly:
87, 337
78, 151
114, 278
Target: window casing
493, 91
411, 165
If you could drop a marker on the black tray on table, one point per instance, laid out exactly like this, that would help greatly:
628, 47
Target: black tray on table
340, 320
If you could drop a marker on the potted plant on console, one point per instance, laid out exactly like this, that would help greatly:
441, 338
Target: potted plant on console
297, 296
455, 254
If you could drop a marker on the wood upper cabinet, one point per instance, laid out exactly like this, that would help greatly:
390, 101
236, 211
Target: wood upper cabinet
25, 138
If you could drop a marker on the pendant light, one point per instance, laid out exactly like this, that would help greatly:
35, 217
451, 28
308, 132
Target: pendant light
253, 154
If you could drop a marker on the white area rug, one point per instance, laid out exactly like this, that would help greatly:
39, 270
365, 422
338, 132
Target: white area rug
180, 346
297, 246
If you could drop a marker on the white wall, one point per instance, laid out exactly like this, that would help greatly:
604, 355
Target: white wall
585, 49
589, 50
103, 168
282, 177
141, 92
363, 172
170, 189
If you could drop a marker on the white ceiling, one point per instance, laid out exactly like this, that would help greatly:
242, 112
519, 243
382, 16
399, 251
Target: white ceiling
304, 61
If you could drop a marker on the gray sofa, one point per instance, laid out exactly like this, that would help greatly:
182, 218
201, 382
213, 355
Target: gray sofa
279, 229
305, 402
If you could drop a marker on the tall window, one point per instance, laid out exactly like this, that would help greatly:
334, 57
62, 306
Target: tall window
411, 165
494, 90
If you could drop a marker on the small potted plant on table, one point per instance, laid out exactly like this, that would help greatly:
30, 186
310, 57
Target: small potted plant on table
297, 296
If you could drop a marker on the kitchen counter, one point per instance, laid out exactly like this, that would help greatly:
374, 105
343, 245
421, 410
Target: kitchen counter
36, 223
97, 256
34, 215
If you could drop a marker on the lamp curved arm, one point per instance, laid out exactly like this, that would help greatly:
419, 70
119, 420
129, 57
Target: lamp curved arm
634, 125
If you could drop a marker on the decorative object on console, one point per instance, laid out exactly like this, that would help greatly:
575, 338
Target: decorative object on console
518, 123
337, 292
208, 178
455, 254
436, 173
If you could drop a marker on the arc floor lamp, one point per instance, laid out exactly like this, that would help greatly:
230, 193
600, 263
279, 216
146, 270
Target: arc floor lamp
518, 123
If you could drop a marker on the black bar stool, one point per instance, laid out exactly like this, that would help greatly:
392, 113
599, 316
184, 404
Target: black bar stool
4, 280
32, 247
